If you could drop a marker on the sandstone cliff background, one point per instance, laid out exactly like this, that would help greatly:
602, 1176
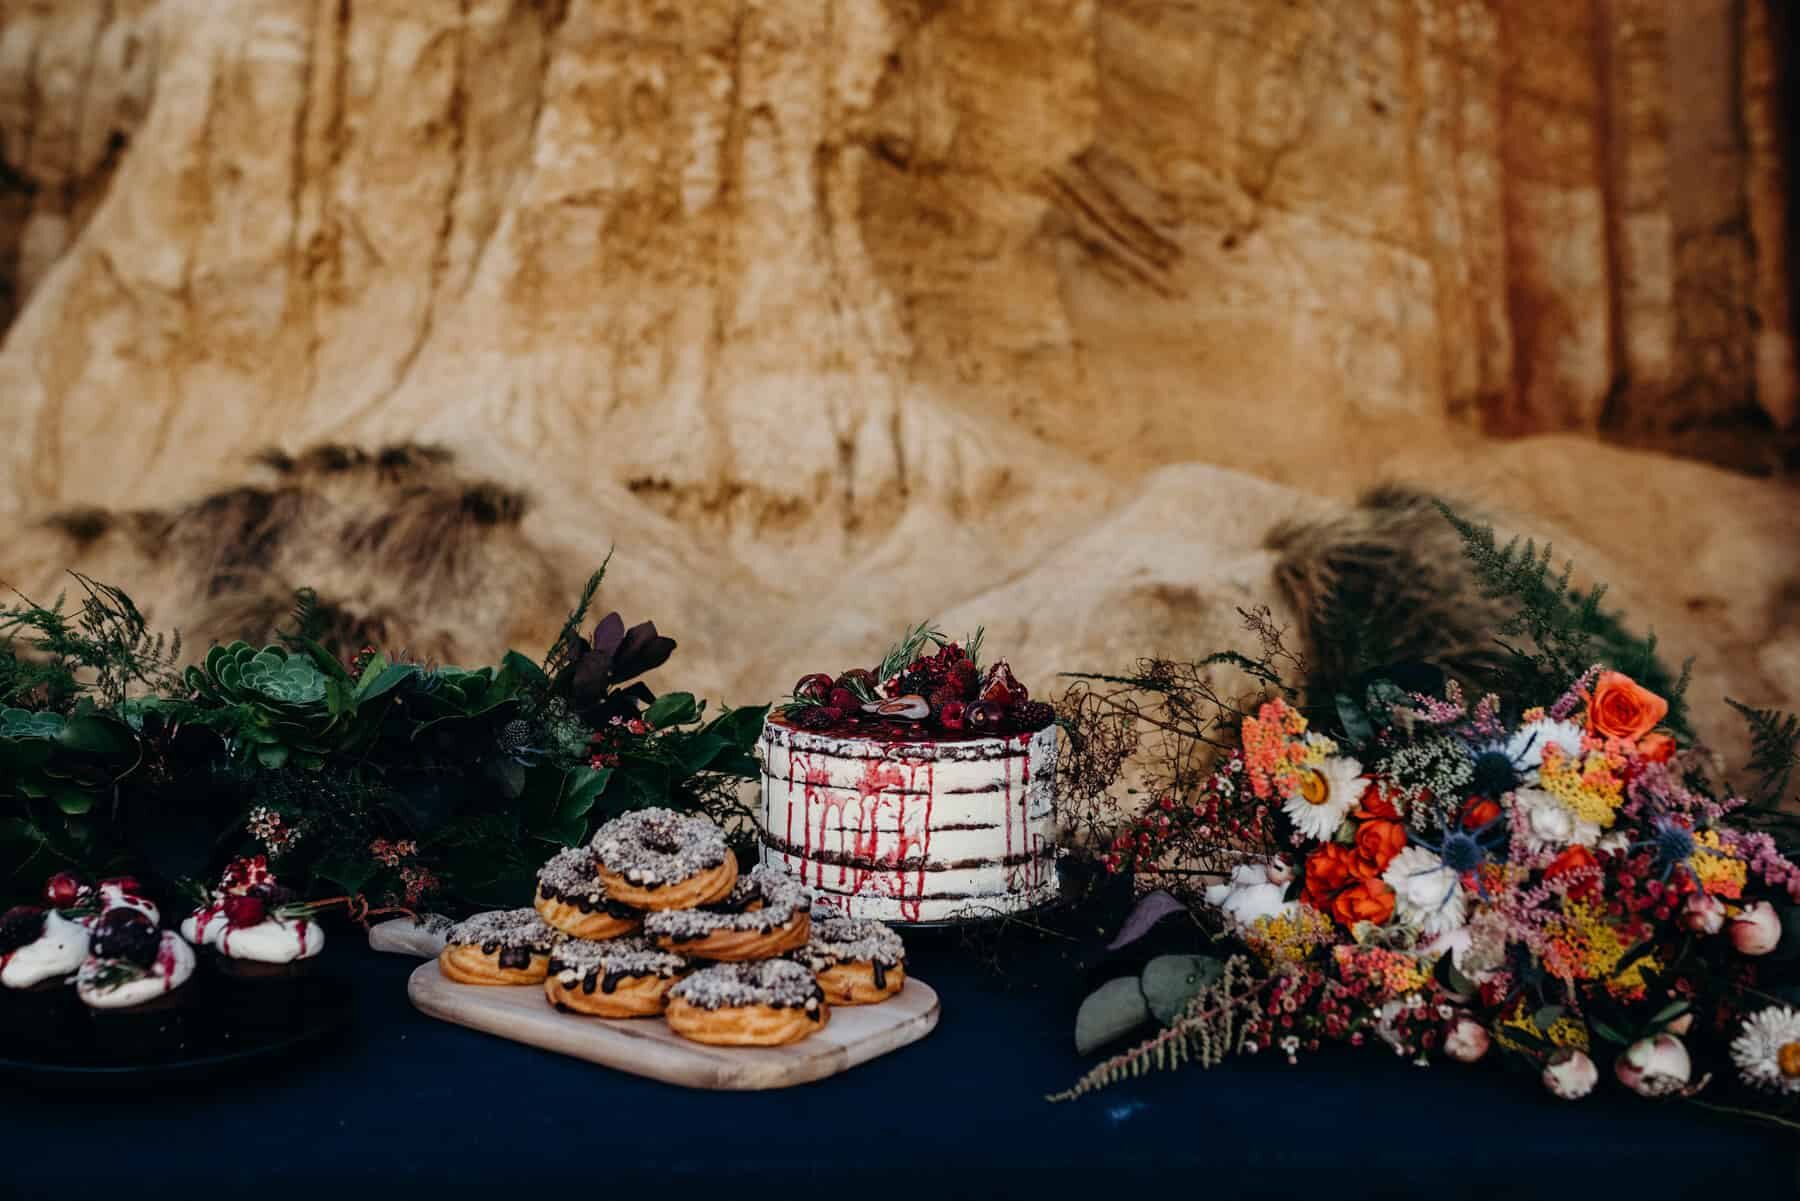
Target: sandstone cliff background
831, 314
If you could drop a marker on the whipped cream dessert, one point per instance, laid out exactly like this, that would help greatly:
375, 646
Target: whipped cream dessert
913, 829
51, 952
126, 980
272, 940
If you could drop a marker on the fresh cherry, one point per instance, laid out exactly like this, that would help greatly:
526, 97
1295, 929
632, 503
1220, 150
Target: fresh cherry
953, 715
842, 700
64, 890
243, 911
815, 687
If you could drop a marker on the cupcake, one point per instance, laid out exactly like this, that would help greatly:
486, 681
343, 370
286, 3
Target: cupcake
40, 952
132, 984
259, 943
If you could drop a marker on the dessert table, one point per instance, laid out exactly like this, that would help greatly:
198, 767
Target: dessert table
455, 1113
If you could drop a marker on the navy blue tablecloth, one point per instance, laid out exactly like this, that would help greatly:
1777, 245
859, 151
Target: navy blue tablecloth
458, 1113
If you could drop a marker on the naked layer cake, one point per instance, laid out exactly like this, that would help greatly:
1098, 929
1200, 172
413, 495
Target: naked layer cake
923, 790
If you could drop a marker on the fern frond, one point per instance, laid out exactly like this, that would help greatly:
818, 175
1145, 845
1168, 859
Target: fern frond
1209, 1028
1774, 750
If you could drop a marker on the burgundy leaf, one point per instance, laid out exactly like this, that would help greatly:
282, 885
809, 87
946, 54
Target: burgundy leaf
1151, 908
593, 672
642, 650
608, 634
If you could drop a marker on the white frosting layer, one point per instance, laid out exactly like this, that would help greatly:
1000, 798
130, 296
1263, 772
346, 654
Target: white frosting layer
174, 964
56, 953
272, 940
912, 831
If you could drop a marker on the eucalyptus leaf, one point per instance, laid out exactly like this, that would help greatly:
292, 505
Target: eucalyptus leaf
1111, 1011
1168, 981
1545, 1017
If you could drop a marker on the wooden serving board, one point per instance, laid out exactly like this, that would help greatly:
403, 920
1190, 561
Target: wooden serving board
647, 1047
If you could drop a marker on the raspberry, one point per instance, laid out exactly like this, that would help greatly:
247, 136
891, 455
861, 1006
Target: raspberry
1034, 715
65, 889
243, 911
18, 926
125, 934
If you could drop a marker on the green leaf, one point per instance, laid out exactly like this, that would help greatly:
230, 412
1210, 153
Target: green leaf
1632, 956
348, 872
1111, 1011
672, 709
1168, 981
1546, 1017
1609, 1033
583, 787
272, 755
1670, 1012
528, 673
73, 801
379, 683
95, 735
323, 659
1452, 978
741, 727
697, 753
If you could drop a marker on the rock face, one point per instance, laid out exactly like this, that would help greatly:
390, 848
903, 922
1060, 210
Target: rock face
830, 313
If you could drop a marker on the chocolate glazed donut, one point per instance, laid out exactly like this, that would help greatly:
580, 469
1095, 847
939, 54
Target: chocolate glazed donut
765, 915
661, 859
766, 1004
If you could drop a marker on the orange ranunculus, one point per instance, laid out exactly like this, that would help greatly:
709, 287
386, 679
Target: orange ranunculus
1364, 901
1380, 841
1478, 812
1571, 860
1623, 708
1656, 747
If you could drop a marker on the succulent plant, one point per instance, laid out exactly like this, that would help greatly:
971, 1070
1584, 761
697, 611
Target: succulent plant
272, 701
597, 667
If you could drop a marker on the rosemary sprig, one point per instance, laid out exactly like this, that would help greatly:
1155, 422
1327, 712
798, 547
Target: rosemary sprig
902, 653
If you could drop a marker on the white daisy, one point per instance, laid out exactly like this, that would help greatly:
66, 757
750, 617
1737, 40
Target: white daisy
1526, 747
1327, 794
1548, 824
1767, 1051
1427, 895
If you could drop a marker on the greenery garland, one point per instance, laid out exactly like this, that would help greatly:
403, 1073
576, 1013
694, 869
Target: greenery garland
402, 782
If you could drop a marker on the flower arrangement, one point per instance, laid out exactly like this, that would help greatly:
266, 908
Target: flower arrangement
1450, 874
394, 782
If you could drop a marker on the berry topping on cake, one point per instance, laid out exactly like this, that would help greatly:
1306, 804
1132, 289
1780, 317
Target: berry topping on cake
128, 885
243, 911
66, 890
126, 934
19, 926
926, 686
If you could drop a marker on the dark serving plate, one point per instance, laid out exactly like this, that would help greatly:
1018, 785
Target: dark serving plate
215, 1048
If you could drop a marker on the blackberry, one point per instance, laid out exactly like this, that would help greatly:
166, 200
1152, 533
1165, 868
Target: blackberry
126, 934
814, 717
1034, 716
18, 926
944, 694
515, 736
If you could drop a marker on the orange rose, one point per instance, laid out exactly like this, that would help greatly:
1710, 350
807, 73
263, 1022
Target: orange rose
1478, 812
1656, 747
1380, 841
1377, 802
1365, 901
1623, 708
1328, 870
